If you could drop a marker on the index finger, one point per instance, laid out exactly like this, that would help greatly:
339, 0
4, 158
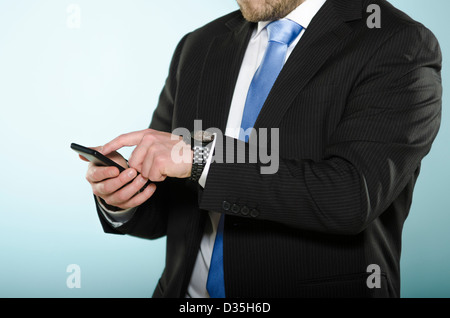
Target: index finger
125, 140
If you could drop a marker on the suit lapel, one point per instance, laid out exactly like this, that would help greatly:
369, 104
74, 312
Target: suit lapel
324, 34
220, 72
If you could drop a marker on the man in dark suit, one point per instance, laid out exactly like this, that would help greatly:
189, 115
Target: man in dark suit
356, 109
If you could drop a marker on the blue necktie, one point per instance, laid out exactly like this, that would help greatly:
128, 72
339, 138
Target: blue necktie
281, 34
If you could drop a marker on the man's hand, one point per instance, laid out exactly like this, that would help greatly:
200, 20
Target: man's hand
111, 186
157, 154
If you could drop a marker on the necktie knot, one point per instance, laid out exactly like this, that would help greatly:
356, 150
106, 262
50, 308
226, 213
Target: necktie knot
283, 31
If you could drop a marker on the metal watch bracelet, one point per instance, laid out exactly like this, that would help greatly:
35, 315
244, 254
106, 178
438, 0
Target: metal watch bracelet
201, 154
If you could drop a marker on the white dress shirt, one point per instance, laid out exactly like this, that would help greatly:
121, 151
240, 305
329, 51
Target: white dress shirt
303, 15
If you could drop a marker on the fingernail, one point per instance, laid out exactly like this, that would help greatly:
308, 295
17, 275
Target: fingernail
131, 173
142, 179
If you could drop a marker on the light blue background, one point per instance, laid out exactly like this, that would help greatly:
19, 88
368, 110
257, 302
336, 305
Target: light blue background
88, 85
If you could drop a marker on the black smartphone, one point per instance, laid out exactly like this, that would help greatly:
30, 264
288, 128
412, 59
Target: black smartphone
95, 157
99, 159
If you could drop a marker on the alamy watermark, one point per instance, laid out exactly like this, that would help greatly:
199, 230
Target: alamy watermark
228, 150
374, 279
374, 19
74, 279
73, 20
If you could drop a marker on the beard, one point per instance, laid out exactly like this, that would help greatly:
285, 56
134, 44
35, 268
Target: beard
267, 10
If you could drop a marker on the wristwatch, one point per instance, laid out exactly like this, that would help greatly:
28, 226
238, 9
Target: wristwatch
201, 142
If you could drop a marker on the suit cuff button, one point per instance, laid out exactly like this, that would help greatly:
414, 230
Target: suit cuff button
235, 208
245, 210
226, 205
254, 213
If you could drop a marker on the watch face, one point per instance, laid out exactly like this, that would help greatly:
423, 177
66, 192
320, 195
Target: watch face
203, 136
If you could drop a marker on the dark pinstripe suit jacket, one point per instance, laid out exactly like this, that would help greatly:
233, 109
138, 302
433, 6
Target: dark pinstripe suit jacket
357, 110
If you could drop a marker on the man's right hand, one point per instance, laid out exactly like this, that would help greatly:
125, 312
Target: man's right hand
111, 186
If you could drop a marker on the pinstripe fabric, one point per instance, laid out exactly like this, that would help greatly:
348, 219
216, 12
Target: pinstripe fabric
357, 110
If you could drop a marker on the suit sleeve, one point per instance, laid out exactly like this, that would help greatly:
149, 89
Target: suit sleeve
150, 219
392, 117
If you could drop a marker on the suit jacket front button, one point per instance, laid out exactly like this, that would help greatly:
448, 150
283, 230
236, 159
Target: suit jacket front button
226, 205
254, 213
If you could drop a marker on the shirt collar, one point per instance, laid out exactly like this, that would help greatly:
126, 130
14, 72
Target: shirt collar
302, 15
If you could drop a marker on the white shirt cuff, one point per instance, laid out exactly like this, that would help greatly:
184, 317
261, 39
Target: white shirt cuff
116, 218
